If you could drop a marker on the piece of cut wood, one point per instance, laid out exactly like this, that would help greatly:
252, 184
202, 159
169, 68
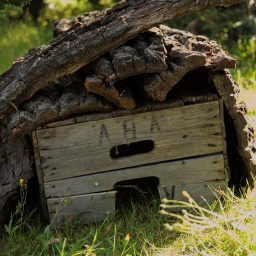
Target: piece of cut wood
41, 111
86, 208
67, 95
196, 170
84, 148
120, 96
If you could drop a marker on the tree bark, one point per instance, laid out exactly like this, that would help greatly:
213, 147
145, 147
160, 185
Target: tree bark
82, 44
148, 66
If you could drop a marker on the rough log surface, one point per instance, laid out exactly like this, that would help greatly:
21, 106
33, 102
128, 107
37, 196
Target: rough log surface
148, 66
240, 137
82, 44
16, 162
163, 55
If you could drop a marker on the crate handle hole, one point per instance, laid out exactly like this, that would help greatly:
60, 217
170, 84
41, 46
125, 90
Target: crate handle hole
134, 148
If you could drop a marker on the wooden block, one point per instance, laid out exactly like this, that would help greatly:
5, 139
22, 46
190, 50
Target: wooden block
85, 148
197, 170
199, 191
87, 208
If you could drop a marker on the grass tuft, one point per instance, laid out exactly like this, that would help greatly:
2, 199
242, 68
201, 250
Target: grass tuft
228, 227
133, 232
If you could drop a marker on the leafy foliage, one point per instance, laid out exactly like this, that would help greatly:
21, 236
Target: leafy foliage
57, 9
226, 25
16, 39
3, 3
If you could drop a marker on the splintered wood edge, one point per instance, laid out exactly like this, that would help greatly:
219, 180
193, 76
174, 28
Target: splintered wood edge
39, 172
222, 125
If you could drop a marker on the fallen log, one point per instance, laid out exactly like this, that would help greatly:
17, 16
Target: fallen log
77, 47
155, 78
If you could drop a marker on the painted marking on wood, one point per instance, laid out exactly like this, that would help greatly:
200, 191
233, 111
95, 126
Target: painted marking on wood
103, 132
80, 149
154, 125
129, 130
198, 191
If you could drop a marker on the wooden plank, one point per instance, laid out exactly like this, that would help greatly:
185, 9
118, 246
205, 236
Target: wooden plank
198, 97
203, 169
200, 191
88, 208
84, 148
222, 125
141, 107
68, 121
224, 142
92, 117
39, 175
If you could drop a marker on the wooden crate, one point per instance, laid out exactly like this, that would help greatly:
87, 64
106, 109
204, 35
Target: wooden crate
81, 159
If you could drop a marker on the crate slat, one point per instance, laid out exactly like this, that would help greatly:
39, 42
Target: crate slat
88, 208
197, 170
84, 148
200, 191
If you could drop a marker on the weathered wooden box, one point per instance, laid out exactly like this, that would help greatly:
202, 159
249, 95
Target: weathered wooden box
79, 160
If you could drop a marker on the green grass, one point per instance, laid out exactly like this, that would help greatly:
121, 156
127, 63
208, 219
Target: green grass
17, 38
245, 75
133, 232
228, 227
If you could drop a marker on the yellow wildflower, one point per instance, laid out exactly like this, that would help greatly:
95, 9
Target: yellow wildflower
22, 182
67, 201
185, 223
186, 194
127, 237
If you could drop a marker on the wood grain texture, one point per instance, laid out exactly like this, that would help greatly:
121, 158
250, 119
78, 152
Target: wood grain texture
200, 191
86, 208
40, 176
81, 45
84, 148
190, 171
